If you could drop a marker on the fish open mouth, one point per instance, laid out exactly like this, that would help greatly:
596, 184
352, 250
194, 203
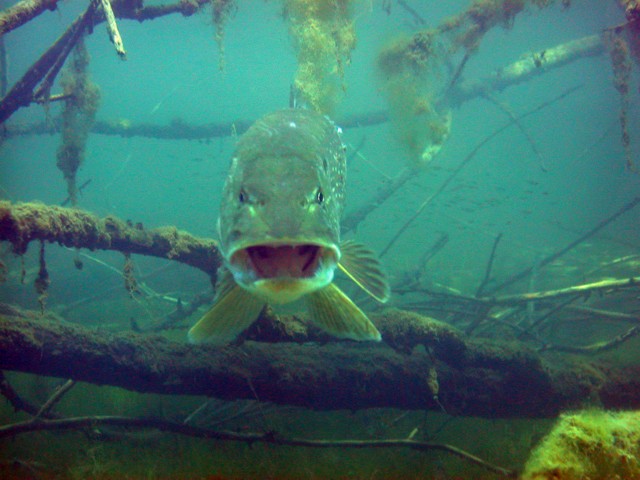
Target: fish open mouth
293, 261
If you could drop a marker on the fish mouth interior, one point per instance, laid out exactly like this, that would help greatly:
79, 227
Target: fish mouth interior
293, 261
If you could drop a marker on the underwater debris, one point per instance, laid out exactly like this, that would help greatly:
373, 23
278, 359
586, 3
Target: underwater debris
434, 386
323, 33
130, 283
46, 68
77, 117
42, 281
112, 29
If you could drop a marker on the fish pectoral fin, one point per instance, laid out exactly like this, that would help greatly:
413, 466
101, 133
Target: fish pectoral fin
232, 313
362, 266
224, 283
334, 312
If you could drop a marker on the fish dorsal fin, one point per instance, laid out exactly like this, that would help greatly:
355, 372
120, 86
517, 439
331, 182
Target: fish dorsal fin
233, 311
363, 267
334, 312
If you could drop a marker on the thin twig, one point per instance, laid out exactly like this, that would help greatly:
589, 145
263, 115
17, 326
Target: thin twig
595, 347
54, 398
615, 261
412, 11
351, 221
487, 271
17, 402
596, 312
584, 289
526, 331
440, 243
60, 97
518, 124
171, 320
80, 188
459, 69
555, 255
267, 437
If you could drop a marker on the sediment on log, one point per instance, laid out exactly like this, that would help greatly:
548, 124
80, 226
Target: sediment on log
22, 223
476, 378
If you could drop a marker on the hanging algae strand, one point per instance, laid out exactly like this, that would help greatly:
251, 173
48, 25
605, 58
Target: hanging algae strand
323, 34
220, 11
411, 71
619, 53
130, 283
78, 115
42, 281
416, 72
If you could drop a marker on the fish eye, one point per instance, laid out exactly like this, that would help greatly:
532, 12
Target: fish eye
319, 196
242, 196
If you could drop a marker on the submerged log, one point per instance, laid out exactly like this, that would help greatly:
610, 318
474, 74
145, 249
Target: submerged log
477, 378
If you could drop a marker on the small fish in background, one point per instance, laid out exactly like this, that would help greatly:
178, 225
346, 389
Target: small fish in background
279, 230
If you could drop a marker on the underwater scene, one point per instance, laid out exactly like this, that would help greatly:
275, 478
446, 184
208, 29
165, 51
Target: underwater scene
320, 239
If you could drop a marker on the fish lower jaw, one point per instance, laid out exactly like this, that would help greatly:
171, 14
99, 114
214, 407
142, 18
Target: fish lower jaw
285, 290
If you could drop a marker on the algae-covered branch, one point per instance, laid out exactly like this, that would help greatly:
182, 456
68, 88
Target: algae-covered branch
23, 223
475, 378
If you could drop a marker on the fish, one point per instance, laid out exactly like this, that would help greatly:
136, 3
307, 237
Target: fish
279, 232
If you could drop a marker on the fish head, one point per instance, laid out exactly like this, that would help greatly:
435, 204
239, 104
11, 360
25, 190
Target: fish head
279, 220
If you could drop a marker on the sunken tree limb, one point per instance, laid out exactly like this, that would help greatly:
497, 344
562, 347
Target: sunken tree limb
476, 378
22, 12
22, 223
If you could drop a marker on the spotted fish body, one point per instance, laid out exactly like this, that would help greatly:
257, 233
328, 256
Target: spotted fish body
279, 230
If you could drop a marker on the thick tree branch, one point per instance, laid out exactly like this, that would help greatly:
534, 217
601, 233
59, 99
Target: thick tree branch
22, 12
22, 223
528, 67
475, 377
